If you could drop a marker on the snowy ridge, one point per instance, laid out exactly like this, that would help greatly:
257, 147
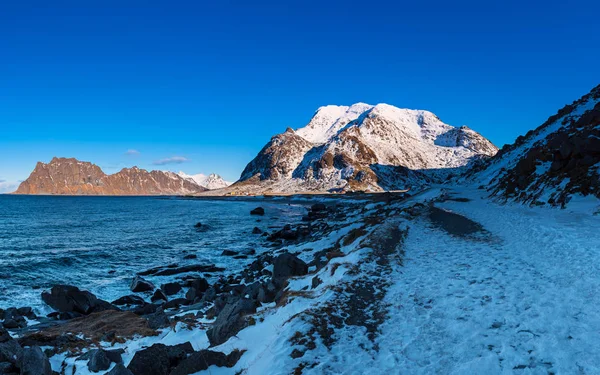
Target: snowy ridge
553, 162
365, 147
211, 182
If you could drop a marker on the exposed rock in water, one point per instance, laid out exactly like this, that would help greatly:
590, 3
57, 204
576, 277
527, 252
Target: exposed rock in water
258, 211
170, 288
169, 271
129, 300
138, 284
158, 296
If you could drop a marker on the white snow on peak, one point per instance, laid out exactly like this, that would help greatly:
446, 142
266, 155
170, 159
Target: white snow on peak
328, 120
211, 182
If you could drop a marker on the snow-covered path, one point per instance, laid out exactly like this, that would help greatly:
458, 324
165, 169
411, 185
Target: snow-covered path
524, 300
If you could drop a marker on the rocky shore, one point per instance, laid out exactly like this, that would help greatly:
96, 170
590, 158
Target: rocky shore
86, 334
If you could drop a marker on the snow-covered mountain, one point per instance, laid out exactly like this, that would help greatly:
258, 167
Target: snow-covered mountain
211, 182
364, 147
551, 164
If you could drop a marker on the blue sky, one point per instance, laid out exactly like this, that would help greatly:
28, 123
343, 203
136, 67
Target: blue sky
211, 82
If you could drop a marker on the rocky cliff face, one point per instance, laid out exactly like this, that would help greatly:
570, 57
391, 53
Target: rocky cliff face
551, 164
63, 176
364, 147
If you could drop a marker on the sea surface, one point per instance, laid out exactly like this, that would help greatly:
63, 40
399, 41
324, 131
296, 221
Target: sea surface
99, 243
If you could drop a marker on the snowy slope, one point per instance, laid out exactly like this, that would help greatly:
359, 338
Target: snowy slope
211, 182
365, 147
552, 163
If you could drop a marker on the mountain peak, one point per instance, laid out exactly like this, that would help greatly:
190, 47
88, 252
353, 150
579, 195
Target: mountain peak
211, 182
69, 176
365, 147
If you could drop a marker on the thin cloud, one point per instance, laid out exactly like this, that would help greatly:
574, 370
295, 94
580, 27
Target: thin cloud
132, 152
8, 186
171, 160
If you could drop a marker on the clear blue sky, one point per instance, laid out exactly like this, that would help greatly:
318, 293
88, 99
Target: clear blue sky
213, 81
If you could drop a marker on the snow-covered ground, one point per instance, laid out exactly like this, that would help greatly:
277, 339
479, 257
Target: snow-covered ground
523, 299
500, 289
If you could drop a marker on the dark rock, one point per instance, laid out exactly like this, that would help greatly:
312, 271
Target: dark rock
177, 353
198, 225
175, 303
168, 271
151, 361
202, 360
159, 359
316, 281
26, 311
170, 288
138, 284
229, 253
199, 283
98, 361
129, 300
287, 265
115, 355
190, 256
257, 230
34, 362
318, 207
119, 369
258, 211
14, 324
158, 320
158, 296
146, 309
10, 350
230, 321
67, 299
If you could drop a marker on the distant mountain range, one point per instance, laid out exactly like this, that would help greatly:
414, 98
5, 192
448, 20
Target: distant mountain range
211, 182
69, 176
377, 148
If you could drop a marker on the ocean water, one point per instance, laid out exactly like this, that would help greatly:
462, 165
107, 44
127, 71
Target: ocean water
46, 240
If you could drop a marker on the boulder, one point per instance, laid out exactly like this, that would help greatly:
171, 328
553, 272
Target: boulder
158, 296
138, 284
158, 320
258, 211
170, 288
257, 230
10, 350
287, 265
129, 300
119, 369
190, 256
230, 321
150, 361
99, 361
202, 360
69, 299
175, 303
34, 362
158, 359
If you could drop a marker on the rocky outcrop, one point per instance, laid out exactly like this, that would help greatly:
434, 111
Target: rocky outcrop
69, 299
68, 176
550, 164
363, 147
